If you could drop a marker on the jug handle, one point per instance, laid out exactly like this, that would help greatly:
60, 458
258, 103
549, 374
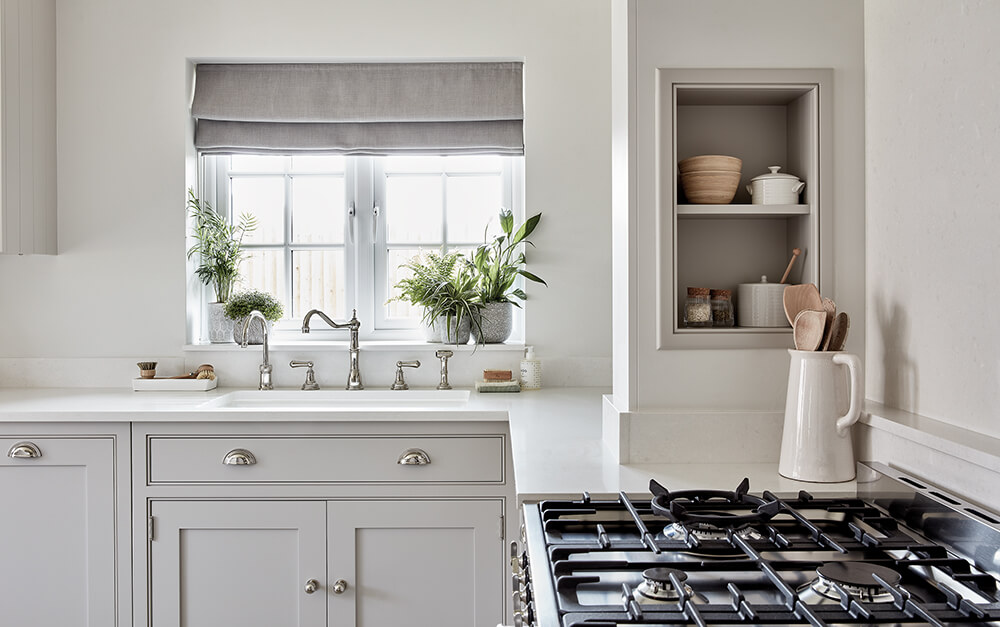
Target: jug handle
853, 364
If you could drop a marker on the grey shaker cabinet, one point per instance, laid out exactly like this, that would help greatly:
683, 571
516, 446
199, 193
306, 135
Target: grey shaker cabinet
64, 540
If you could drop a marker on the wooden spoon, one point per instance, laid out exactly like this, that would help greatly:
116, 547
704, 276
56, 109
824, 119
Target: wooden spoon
795, 298
795, 254
838, 334
831, 313
807, 329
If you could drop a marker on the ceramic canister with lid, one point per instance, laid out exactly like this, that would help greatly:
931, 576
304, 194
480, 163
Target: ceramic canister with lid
775, 188
760, 304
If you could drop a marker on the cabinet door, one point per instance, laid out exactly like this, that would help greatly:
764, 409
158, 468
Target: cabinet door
57, 532
237, 563
416, 563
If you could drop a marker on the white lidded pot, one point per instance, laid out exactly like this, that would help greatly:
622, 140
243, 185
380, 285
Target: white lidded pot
775, 188
760, 304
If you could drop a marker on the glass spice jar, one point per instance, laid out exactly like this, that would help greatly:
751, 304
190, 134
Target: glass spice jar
698, 308
722, 308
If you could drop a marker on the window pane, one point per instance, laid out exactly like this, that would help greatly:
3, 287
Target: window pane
418, 163
473, 203
264, 270
413, 211
318, 209
264, 197
318, 283
323, 163
400, 309
474, 163
258, 163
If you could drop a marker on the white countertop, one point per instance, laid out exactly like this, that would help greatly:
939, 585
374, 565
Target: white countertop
555, 435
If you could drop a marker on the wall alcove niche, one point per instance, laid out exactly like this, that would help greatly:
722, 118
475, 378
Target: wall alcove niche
765, 117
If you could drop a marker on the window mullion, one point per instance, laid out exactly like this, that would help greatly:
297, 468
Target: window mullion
287, 248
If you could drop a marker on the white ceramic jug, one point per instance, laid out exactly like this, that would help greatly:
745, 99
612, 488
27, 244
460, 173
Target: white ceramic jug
825, 391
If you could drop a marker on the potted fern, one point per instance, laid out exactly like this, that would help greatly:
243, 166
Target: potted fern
443, 285
239, 306
497, 265
219, 246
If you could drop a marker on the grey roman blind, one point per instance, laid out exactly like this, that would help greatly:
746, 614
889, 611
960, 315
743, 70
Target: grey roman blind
359, 108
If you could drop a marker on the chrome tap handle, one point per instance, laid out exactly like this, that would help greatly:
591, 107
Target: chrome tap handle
443, 355
400, 384
310, 383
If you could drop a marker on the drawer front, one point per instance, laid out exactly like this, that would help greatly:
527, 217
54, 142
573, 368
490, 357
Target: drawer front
325, 459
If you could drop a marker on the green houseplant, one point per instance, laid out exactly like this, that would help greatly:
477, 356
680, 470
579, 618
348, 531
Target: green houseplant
219, 247
239, 306
498, 264
443, 285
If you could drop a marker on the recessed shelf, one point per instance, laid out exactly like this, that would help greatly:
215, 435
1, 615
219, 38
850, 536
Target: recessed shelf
723, 330
741, 211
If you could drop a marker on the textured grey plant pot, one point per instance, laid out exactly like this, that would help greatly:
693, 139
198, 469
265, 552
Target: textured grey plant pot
220, 326
256, 333
495, 320
456, 332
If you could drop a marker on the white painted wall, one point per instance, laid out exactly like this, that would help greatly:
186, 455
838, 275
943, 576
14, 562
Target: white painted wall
933, 261
738, 34
117, 287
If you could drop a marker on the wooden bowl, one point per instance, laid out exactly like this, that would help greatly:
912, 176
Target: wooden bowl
711, 187
710, 163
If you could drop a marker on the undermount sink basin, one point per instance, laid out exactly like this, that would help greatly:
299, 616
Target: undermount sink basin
336, 399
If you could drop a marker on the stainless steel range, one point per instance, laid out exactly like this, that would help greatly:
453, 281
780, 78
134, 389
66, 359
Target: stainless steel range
900, 552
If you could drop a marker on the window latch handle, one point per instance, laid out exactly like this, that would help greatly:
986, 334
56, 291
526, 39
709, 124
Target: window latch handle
352, 213
375, 212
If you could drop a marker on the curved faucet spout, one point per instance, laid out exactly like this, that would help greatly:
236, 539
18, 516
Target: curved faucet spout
265, 366
354, 376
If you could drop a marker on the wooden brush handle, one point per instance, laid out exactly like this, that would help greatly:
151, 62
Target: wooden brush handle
795, 254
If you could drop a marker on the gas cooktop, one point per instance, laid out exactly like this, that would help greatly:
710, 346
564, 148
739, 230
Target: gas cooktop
899, 553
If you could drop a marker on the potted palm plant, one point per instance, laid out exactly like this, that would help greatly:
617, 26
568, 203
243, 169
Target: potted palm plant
497, 265
218, 245
239, 306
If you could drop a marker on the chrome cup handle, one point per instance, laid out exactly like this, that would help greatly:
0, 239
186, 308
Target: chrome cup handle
413, 457
239, 457
24, 450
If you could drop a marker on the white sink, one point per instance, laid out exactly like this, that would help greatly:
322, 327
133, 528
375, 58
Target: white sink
336, 399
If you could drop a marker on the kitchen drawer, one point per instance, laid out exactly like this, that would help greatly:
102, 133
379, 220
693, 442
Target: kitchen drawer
325, 459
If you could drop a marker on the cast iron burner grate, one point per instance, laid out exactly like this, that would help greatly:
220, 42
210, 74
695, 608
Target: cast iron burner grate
606, 568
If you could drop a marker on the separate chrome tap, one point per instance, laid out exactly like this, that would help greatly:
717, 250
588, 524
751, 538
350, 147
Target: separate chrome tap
354, 376
400, 383
265, 367
443, 355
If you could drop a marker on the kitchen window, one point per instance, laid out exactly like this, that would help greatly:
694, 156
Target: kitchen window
353, 168
333, 230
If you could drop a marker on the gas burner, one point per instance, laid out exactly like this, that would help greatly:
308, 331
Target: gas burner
705, 531
702, 506
857, 578
657, 586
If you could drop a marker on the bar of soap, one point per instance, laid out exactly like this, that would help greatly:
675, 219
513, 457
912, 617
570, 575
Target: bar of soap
497, 375
498, 386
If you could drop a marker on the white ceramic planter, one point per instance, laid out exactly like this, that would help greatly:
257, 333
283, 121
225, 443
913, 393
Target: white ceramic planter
220, 326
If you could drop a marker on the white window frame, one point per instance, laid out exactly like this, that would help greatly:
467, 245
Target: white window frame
365, 228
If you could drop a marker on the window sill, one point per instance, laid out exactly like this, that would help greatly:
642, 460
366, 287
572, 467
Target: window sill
366, 345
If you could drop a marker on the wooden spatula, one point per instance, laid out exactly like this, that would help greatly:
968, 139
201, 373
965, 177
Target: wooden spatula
798, 297
838, 334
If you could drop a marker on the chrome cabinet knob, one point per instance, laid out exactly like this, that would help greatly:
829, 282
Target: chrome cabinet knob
24, 450
239, 457
311, 586
339, 586
413, 457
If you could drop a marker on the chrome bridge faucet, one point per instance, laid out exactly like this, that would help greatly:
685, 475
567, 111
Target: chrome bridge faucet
354, 376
